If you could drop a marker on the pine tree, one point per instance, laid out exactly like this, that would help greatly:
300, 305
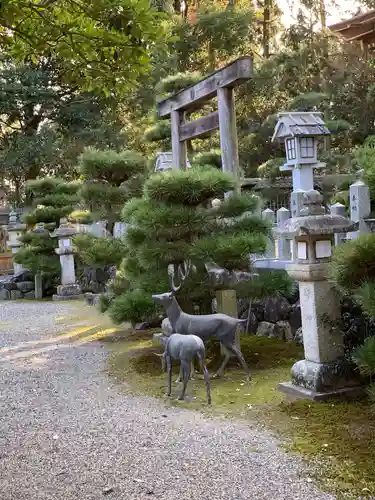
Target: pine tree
174, 222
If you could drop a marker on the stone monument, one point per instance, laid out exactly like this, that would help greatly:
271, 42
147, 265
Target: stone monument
323, 373
69, 289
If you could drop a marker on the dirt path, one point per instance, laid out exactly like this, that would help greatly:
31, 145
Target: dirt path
67, 432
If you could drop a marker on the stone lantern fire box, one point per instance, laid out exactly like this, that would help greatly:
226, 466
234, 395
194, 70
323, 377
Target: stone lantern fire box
323, 373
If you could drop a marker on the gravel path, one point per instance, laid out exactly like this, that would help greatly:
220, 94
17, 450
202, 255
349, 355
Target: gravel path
67, 432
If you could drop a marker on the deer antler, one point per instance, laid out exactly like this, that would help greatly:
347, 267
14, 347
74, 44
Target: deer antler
183, 271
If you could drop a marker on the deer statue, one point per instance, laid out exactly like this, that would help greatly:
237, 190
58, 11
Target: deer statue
206, 326
183, 348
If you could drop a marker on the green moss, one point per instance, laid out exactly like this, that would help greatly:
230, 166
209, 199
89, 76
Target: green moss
335, 437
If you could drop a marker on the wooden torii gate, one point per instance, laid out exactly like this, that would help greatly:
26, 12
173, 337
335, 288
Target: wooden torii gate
220, 84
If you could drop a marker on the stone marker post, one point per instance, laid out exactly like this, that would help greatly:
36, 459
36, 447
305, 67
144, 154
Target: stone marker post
283, 244
360, 207
323, 373
338, 209
68, 289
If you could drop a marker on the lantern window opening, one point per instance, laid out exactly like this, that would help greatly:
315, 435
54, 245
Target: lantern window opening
307, 147
291, 149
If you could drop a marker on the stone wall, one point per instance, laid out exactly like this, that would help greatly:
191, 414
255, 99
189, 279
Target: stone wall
273, 317
19, 286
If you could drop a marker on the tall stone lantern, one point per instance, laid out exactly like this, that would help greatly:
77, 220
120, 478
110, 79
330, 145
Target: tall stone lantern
68, 289
323, 373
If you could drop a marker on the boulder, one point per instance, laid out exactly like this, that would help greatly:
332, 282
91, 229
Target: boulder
295, 318
266, 329
23, 276
4, 294
283, 331
276, 309
252, 322
29, 295
16, 294
258, 309
25, 286
8, 285
298, 336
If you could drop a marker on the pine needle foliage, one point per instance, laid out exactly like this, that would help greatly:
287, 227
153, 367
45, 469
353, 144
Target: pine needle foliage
174, 221
110, 178
53, 199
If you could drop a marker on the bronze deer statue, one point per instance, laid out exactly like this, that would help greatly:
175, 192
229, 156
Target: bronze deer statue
206, 326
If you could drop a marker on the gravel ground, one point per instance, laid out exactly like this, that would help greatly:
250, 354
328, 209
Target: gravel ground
67, 432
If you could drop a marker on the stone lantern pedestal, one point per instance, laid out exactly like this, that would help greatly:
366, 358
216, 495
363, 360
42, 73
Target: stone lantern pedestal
69, 289
324, 373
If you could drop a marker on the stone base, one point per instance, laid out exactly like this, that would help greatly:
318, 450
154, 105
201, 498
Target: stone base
324, 377
68, 297
296, 392
68, 292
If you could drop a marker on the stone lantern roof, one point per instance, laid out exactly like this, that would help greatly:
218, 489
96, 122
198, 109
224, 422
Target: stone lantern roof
299, 123
314, 221
64, 230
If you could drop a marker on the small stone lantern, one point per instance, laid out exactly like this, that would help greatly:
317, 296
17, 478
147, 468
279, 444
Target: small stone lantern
300, 132
15, 229
68, 289
323, 373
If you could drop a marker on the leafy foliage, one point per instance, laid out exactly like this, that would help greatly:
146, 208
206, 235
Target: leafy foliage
101, 45
98, 252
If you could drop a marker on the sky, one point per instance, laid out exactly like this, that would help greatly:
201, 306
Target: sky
343, 9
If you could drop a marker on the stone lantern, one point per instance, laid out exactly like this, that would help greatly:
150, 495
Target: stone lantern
300, 132
323, 373
68, 289
15, 229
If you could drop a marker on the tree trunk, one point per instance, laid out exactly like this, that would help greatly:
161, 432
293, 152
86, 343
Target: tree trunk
266, 28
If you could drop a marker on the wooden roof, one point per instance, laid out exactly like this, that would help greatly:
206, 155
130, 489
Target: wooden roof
360, 27
299, 123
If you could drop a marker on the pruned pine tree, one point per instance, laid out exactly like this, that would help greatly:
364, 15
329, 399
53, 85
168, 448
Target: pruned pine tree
174, 222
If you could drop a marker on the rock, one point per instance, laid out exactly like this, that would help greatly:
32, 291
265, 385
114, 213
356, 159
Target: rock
16, 294
8, 285
253, 322
22, 276
107, 491
298, 336
276, 309
283, 331
152, 323
295, 318
26, 286
258, 309
29, 295
266, 329
4, 294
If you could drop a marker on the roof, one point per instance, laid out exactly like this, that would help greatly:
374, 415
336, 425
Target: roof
359, 27
295, 124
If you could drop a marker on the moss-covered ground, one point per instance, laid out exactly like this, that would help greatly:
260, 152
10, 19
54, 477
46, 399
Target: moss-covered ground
337, 437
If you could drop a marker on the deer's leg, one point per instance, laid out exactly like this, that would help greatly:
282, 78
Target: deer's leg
192, 373
169, 370
206, 378
241, 359
186, 374
220, 372
180, 375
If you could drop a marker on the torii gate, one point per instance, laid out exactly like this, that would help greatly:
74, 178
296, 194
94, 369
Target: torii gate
221, 84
